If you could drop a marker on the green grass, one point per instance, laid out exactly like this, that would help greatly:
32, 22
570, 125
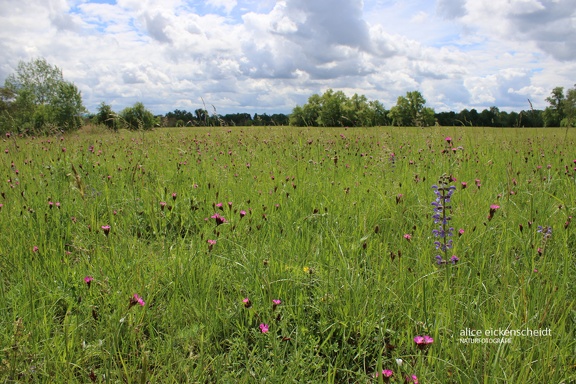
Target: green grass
323, 232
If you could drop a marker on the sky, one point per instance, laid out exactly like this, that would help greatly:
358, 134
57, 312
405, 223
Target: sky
268, 56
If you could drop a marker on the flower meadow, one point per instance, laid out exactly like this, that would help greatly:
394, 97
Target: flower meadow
248, 255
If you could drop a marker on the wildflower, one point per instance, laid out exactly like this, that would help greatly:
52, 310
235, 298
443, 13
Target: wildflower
242, 213
276, 303
454, 259
35, 248
174, 195
422, 342
464, 184
411, 379
88, 280
407, 236
399, 198
264, 328
441, 217
545, 231
135, 299
460, 232
448, 139
219, 219
106, 229
219, 205
50, 204
162, 205
493, 209
247, 302
211, 243
399, 362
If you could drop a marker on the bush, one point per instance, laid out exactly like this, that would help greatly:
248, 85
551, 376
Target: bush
137, 117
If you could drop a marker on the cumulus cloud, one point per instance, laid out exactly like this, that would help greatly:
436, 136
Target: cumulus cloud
268, 56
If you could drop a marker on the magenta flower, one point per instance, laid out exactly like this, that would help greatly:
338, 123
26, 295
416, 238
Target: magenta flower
464, 184
448, 139
174, 195
106, 229
35, 248
242, 213
211, 244
423, 341
162, 205
219, 205
88, 280
412, 379
460, 232
276, 303
135, 299
264, 328
408, 236
247, 302
219, 219
454, 259
493, 209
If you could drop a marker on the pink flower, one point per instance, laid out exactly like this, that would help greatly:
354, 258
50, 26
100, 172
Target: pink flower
162, 205
174, 195
423, 341
493, 209
408, 236
242, 213
35, 248
464, 184
211, 244
88, 280
106, 229
219, 219
412, 379
135, 299
460, 232
264, 328
448, 139
276, 303
247, 302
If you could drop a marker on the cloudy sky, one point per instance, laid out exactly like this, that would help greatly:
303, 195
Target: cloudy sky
267, 56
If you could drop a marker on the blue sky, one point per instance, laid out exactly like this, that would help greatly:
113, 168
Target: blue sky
268, 56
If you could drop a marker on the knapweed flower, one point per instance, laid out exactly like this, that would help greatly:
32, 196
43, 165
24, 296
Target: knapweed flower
247, 302
106, 229
464, 185
135, 299
88, 280
264, 328
276, 303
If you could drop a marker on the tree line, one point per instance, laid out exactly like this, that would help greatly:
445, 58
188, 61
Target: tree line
36, 99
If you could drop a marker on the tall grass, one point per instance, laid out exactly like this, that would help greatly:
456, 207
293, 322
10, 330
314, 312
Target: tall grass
326, 214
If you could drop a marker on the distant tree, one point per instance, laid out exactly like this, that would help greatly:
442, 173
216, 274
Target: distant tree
40, 99
569, 109
335, 109
106, 116
137, 117
554, 113
410, 110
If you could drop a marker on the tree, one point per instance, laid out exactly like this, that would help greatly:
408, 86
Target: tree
554, 114
410, 110
569, 109
137, 117
41, 99
106, 116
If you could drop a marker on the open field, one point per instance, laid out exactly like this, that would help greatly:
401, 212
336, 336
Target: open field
336, 224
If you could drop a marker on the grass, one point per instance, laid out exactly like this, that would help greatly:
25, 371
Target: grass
326, 211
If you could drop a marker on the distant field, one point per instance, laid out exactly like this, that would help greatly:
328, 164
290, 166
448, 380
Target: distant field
251, 255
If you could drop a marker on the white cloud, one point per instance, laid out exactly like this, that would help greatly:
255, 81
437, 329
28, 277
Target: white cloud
266, 56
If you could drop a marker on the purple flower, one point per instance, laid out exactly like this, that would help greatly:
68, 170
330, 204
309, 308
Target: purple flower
454, 259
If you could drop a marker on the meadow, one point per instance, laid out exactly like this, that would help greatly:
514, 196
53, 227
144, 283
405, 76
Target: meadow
282, 254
